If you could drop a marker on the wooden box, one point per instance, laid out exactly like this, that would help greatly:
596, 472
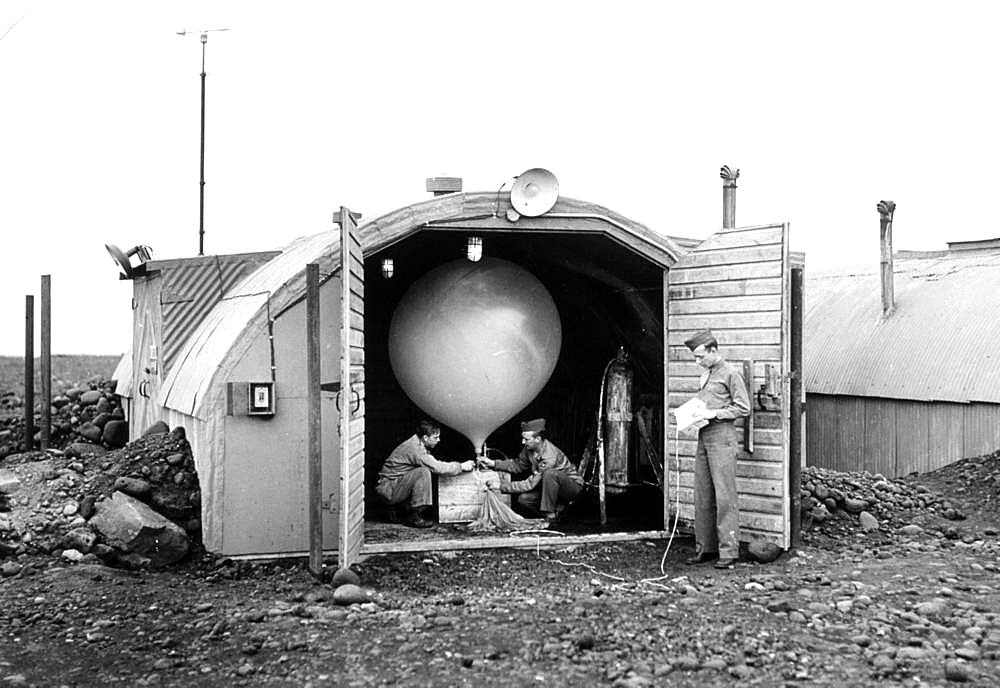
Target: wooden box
460, 497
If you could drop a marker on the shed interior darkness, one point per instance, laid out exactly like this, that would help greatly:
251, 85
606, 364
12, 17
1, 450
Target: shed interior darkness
607, 296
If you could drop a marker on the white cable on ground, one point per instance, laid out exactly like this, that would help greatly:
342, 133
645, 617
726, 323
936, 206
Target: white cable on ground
644, 581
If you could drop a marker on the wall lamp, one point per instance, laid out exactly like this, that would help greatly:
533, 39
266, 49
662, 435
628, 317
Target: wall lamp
388, 268
474, 248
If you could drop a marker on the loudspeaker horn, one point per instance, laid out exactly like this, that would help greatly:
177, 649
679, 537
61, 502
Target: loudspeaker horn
122, 257
534, 192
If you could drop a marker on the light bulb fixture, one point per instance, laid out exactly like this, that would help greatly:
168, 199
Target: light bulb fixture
388, 268
474, 248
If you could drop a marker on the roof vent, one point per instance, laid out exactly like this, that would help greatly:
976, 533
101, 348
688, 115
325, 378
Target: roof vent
444, 185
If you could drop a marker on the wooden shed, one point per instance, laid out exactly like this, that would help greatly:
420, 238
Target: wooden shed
915, 389
615, 283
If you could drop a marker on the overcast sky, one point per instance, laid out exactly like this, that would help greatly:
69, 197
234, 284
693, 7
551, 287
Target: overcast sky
825, 108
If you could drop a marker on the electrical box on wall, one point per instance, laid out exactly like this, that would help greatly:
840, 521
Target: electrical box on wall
250, 399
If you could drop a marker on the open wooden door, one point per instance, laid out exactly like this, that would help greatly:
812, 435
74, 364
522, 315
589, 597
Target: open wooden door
351, 521
736, 283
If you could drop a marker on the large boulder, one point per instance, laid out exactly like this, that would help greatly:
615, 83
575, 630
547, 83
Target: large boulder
90, 397
157, 428
90, 431
132, 526
115, 433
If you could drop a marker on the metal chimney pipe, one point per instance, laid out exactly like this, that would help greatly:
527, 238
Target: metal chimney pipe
885, 212
729, 177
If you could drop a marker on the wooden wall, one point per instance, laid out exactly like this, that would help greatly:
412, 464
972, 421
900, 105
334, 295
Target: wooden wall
895, 437
736, 284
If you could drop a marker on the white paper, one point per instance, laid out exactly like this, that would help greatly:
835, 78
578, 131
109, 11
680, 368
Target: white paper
688, 415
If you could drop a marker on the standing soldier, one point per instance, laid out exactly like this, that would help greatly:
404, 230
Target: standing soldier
716, 511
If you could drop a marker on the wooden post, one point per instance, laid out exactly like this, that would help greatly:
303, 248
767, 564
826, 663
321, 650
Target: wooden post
315, 422
29, 372
886, 209
729, 177
797, 424
46, 359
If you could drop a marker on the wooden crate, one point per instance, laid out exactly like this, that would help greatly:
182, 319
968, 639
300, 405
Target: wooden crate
460, 497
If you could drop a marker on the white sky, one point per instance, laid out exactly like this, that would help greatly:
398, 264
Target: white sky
633, 105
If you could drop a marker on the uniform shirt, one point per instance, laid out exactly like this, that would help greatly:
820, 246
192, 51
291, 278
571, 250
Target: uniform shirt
723, 390
548, 457
412, 454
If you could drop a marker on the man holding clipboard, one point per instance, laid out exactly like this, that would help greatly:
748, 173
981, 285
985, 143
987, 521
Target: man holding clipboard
723, 396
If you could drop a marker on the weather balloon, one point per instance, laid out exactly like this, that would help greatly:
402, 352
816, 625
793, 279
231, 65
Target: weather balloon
472, 344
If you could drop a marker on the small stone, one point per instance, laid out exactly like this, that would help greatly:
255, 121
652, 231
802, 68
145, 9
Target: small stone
72, 555
348, 594
911, 529
70, 508
764, 551
245, 670
175, 459
969, 653
853, 505
584, 642
344, 576
867, 521
134, 487
157, 428
90, 397
687, 663
9, 568
956, 671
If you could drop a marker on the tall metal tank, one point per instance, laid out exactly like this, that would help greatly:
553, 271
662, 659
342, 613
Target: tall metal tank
618, 386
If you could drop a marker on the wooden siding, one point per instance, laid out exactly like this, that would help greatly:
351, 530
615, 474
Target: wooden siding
352, 407
895, 437
736, 284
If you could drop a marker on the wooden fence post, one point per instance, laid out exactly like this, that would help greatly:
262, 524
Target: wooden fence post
45, 361
29, 372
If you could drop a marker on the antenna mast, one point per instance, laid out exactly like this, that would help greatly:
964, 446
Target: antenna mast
201, 198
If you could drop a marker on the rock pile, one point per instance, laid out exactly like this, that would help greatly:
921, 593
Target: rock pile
134, 506
871, 500
89, 412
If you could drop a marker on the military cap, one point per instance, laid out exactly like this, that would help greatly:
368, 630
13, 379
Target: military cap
536, 425
704, 337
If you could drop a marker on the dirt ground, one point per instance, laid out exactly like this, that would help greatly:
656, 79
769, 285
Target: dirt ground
846, 608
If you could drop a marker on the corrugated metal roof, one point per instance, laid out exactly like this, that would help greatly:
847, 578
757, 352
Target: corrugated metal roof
191, 287
205, 350
938, 344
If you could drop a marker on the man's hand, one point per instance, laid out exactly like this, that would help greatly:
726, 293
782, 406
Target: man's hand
485, 462
493, 484
467, 466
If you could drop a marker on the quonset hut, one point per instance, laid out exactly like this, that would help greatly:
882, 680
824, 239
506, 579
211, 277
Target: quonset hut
232, 369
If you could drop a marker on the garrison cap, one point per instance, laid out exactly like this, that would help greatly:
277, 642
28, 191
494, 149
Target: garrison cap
704, 337
536, 425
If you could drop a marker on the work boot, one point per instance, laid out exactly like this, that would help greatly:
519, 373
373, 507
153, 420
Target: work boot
727, 563
702, 558
392, 515
415, 520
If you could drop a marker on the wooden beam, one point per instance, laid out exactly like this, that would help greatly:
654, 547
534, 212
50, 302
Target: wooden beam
513, 541
314, 422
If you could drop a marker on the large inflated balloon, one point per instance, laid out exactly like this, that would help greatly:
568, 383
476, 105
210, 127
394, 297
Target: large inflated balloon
473, 343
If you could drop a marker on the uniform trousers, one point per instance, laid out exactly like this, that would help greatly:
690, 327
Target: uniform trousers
556, 487
414, 485
716, 511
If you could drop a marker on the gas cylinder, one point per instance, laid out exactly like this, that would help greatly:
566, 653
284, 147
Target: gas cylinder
618, 383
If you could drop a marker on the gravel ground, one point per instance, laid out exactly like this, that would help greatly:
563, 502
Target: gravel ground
912, 602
